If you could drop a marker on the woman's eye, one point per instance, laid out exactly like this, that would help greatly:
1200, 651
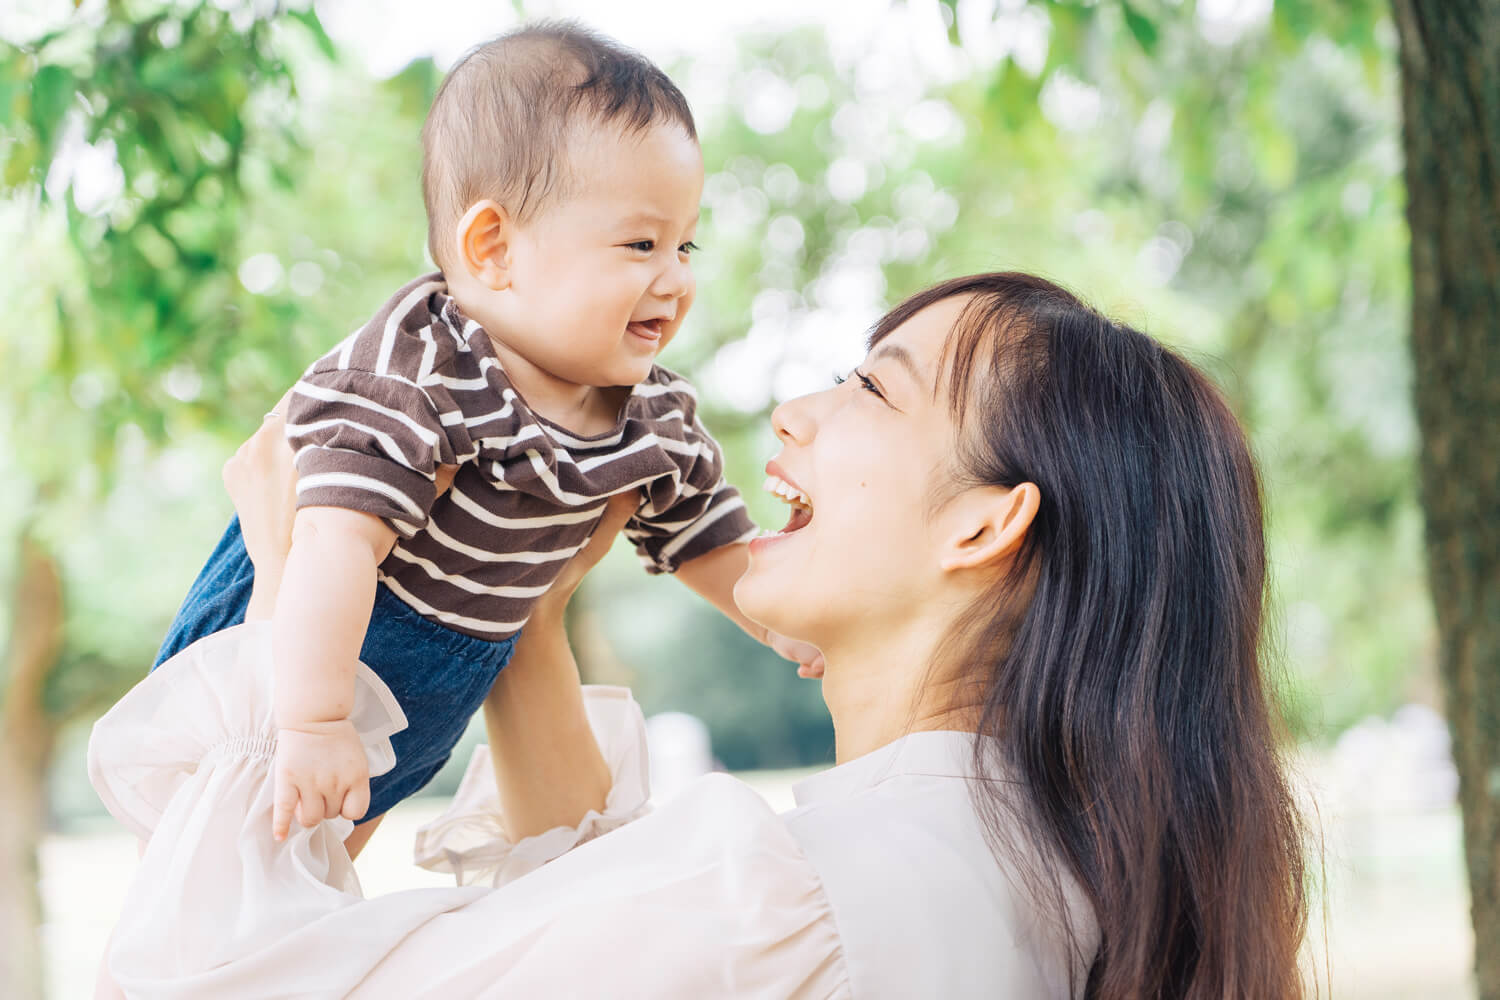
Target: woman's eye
868, 384
644, 246
865, 382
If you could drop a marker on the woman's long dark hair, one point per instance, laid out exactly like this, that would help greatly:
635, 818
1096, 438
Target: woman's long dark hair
1128, 692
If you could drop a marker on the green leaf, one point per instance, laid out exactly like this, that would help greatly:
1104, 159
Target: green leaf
309, 20
950, 15
18, 165
52, 92
1141, 26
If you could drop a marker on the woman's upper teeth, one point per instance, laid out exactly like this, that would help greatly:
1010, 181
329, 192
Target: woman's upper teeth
785, 490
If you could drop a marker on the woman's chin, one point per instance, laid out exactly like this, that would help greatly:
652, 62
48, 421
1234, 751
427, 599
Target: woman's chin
767, 597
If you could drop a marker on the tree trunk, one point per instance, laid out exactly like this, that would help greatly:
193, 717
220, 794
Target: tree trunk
28, 736
1450, 68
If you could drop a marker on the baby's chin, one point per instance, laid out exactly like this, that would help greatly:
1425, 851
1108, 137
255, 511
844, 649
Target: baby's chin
620, 375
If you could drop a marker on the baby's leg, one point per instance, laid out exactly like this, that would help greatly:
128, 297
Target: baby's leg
439, 677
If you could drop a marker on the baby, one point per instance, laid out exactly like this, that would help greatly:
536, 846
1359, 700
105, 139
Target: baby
562, 177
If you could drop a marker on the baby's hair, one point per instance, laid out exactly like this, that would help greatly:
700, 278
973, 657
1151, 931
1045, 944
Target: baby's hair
503, 118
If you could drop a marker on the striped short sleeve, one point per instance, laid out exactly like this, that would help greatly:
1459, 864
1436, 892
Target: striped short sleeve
367, 442
682, 520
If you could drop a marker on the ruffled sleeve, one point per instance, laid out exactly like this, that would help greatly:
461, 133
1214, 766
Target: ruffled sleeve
469, 840
708, 896
212, 702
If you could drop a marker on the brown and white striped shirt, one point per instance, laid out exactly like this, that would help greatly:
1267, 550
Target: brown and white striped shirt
420, 386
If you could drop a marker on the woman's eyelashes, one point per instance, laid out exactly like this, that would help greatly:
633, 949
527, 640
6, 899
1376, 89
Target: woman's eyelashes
865, 382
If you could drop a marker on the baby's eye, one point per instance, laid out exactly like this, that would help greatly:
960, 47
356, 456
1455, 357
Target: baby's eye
644, 246
688, 247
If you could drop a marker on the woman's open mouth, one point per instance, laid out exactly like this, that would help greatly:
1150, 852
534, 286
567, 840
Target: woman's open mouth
802, 511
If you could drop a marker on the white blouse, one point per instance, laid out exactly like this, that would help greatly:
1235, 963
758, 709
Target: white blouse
879, 884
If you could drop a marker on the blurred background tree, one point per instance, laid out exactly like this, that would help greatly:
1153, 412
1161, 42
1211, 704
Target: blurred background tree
200, 197
130, 157
1450, 67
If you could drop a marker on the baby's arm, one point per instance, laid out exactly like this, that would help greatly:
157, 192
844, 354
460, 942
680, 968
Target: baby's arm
713, 576
322, 611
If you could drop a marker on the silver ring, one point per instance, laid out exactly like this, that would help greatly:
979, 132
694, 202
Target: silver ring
270, 414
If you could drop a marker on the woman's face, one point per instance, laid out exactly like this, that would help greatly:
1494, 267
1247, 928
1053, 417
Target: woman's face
863, 458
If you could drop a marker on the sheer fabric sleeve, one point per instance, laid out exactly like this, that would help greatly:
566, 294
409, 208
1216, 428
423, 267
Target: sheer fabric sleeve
709, 895
469, 838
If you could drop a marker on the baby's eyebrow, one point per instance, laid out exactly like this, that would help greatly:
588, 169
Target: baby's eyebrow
652, 219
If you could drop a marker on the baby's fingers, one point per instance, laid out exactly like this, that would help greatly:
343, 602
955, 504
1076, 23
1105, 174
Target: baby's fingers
313, 808
284, 801
356, 801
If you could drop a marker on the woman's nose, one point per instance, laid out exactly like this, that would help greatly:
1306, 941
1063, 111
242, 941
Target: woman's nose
793, 420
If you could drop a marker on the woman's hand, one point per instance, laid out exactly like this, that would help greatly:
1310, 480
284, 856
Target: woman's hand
262, 481
809, 658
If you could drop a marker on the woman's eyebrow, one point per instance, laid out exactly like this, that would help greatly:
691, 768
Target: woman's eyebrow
902, 357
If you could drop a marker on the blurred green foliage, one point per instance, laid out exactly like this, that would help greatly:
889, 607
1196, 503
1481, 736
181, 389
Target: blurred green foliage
1238, 197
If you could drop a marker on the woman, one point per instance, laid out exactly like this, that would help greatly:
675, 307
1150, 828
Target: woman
1029, 544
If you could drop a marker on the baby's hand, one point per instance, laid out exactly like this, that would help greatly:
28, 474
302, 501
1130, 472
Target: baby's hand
320, 772
809, 658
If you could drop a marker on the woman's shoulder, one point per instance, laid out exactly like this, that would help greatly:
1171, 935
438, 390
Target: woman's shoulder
924, 903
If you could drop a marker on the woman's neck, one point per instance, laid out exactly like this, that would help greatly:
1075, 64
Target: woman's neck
876, 695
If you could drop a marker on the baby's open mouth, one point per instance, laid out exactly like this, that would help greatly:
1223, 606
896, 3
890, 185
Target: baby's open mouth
802, 511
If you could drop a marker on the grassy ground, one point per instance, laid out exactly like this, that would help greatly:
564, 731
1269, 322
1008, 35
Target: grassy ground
1396, 920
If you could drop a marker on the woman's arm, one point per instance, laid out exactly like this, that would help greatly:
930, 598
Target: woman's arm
547, 764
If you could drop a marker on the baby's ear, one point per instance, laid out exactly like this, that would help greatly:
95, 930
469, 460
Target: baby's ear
484, 241
987, 524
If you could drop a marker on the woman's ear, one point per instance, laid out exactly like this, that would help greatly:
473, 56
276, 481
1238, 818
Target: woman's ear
989, 523
485, 234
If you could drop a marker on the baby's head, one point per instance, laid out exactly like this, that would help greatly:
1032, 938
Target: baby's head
562, 176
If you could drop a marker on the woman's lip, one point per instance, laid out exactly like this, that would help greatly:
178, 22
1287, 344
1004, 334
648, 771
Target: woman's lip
763, 542
772, 469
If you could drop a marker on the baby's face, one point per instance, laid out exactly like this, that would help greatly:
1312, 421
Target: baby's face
600, 280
